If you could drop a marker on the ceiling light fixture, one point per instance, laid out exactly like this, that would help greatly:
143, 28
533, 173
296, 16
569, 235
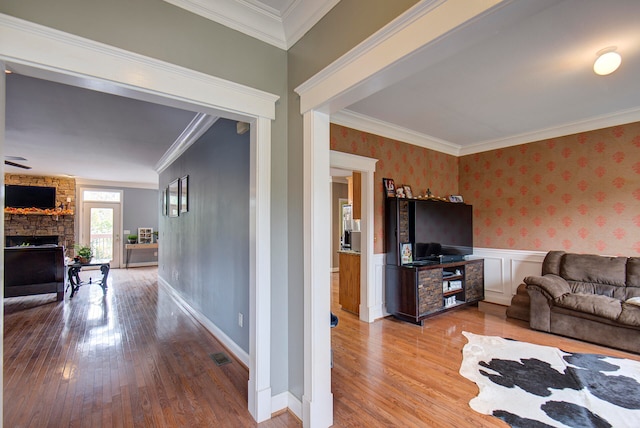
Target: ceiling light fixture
608, 61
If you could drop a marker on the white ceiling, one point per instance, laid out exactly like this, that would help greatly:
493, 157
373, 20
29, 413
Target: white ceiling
71, 131
519, 74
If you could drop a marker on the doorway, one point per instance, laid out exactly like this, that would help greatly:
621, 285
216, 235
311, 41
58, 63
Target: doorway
100, 224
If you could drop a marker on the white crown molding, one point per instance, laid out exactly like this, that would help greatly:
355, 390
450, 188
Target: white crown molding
591, 124
358, 121
302, 16
196, 128
260, 21
52, 50
240, 16
368, 124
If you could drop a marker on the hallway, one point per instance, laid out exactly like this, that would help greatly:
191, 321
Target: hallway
132, 358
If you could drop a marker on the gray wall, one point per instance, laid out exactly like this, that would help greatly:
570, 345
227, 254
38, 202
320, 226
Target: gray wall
205, 254
141, 208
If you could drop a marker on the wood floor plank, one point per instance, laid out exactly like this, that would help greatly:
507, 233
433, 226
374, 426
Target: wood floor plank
133, 358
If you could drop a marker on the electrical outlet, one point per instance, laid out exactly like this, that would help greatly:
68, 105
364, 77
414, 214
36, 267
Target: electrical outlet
240, 319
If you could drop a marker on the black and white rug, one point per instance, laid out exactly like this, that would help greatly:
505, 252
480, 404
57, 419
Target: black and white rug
529, 385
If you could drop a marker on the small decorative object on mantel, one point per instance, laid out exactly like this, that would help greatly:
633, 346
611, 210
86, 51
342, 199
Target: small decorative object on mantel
389, 187
407, 191
400, 192
456, 198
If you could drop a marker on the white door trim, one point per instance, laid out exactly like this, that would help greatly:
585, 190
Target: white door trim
367, 166
44, 52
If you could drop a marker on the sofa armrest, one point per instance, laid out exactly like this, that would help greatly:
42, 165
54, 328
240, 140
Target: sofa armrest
552, 286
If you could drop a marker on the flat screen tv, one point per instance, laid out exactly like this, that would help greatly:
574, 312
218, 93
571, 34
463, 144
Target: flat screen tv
442, 229
16, 196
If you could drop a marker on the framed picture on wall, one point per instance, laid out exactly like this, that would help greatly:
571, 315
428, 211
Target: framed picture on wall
184, 194
406, 253
389, 187
163, 203
172, 198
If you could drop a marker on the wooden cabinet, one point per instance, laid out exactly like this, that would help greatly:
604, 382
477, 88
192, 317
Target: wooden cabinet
415, 292
349, 289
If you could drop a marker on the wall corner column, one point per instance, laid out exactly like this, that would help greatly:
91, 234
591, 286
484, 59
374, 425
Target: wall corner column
317, 400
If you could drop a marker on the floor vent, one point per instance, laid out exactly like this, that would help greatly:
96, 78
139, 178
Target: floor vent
220, 358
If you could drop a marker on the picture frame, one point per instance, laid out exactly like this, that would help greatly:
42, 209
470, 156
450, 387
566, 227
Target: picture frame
456, 199
172, 198
145, 235
184, 194
389, 187
163, 203
407, 191
406, 253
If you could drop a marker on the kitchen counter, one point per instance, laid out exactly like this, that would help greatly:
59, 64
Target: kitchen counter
349, 290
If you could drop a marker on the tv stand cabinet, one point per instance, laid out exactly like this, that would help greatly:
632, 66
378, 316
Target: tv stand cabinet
415, 292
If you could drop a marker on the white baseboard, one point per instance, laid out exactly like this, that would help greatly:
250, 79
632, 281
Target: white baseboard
285, 401
228, 343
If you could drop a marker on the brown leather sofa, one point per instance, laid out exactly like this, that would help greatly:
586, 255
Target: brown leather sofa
34, 270
588, 297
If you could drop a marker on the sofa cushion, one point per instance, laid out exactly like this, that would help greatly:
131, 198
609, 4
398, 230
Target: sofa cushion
633, 301
633, 272
551, 263
630, 314
553, 285
589, 268
604, 306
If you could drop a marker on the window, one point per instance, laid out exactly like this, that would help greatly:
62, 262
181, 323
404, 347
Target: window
101, 195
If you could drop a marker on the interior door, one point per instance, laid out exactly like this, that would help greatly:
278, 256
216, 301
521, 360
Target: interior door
101, 230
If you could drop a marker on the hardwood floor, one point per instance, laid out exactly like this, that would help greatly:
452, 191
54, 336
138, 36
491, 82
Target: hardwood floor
134, 358
131, 359
391, 373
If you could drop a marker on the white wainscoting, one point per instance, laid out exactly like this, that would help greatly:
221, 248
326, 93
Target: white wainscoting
504, 270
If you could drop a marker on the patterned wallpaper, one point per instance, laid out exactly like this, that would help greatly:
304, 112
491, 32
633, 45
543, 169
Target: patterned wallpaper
407, 164
579, 193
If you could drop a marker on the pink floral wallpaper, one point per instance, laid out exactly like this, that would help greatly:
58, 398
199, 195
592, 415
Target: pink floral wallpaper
579, 193
418, 167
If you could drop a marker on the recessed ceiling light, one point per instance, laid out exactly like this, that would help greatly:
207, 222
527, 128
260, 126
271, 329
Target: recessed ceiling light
608, 61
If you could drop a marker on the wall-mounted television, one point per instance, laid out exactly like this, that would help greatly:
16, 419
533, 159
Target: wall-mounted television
16, 196
441, 229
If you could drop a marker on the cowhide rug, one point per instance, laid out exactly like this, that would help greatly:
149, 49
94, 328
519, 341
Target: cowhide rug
530, 385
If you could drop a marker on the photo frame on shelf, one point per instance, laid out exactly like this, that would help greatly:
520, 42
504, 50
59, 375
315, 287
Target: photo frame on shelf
406, 253
407, 191
456, 198
389, 187
145, 235
172, 198
184, 194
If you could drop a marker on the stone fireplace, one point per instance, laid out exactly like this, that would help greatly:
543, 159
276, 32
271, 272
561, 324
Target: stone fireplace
39, 229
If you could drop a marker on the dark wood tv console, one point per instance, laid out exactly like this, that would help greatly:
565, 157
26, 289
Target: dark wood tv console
415, 292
